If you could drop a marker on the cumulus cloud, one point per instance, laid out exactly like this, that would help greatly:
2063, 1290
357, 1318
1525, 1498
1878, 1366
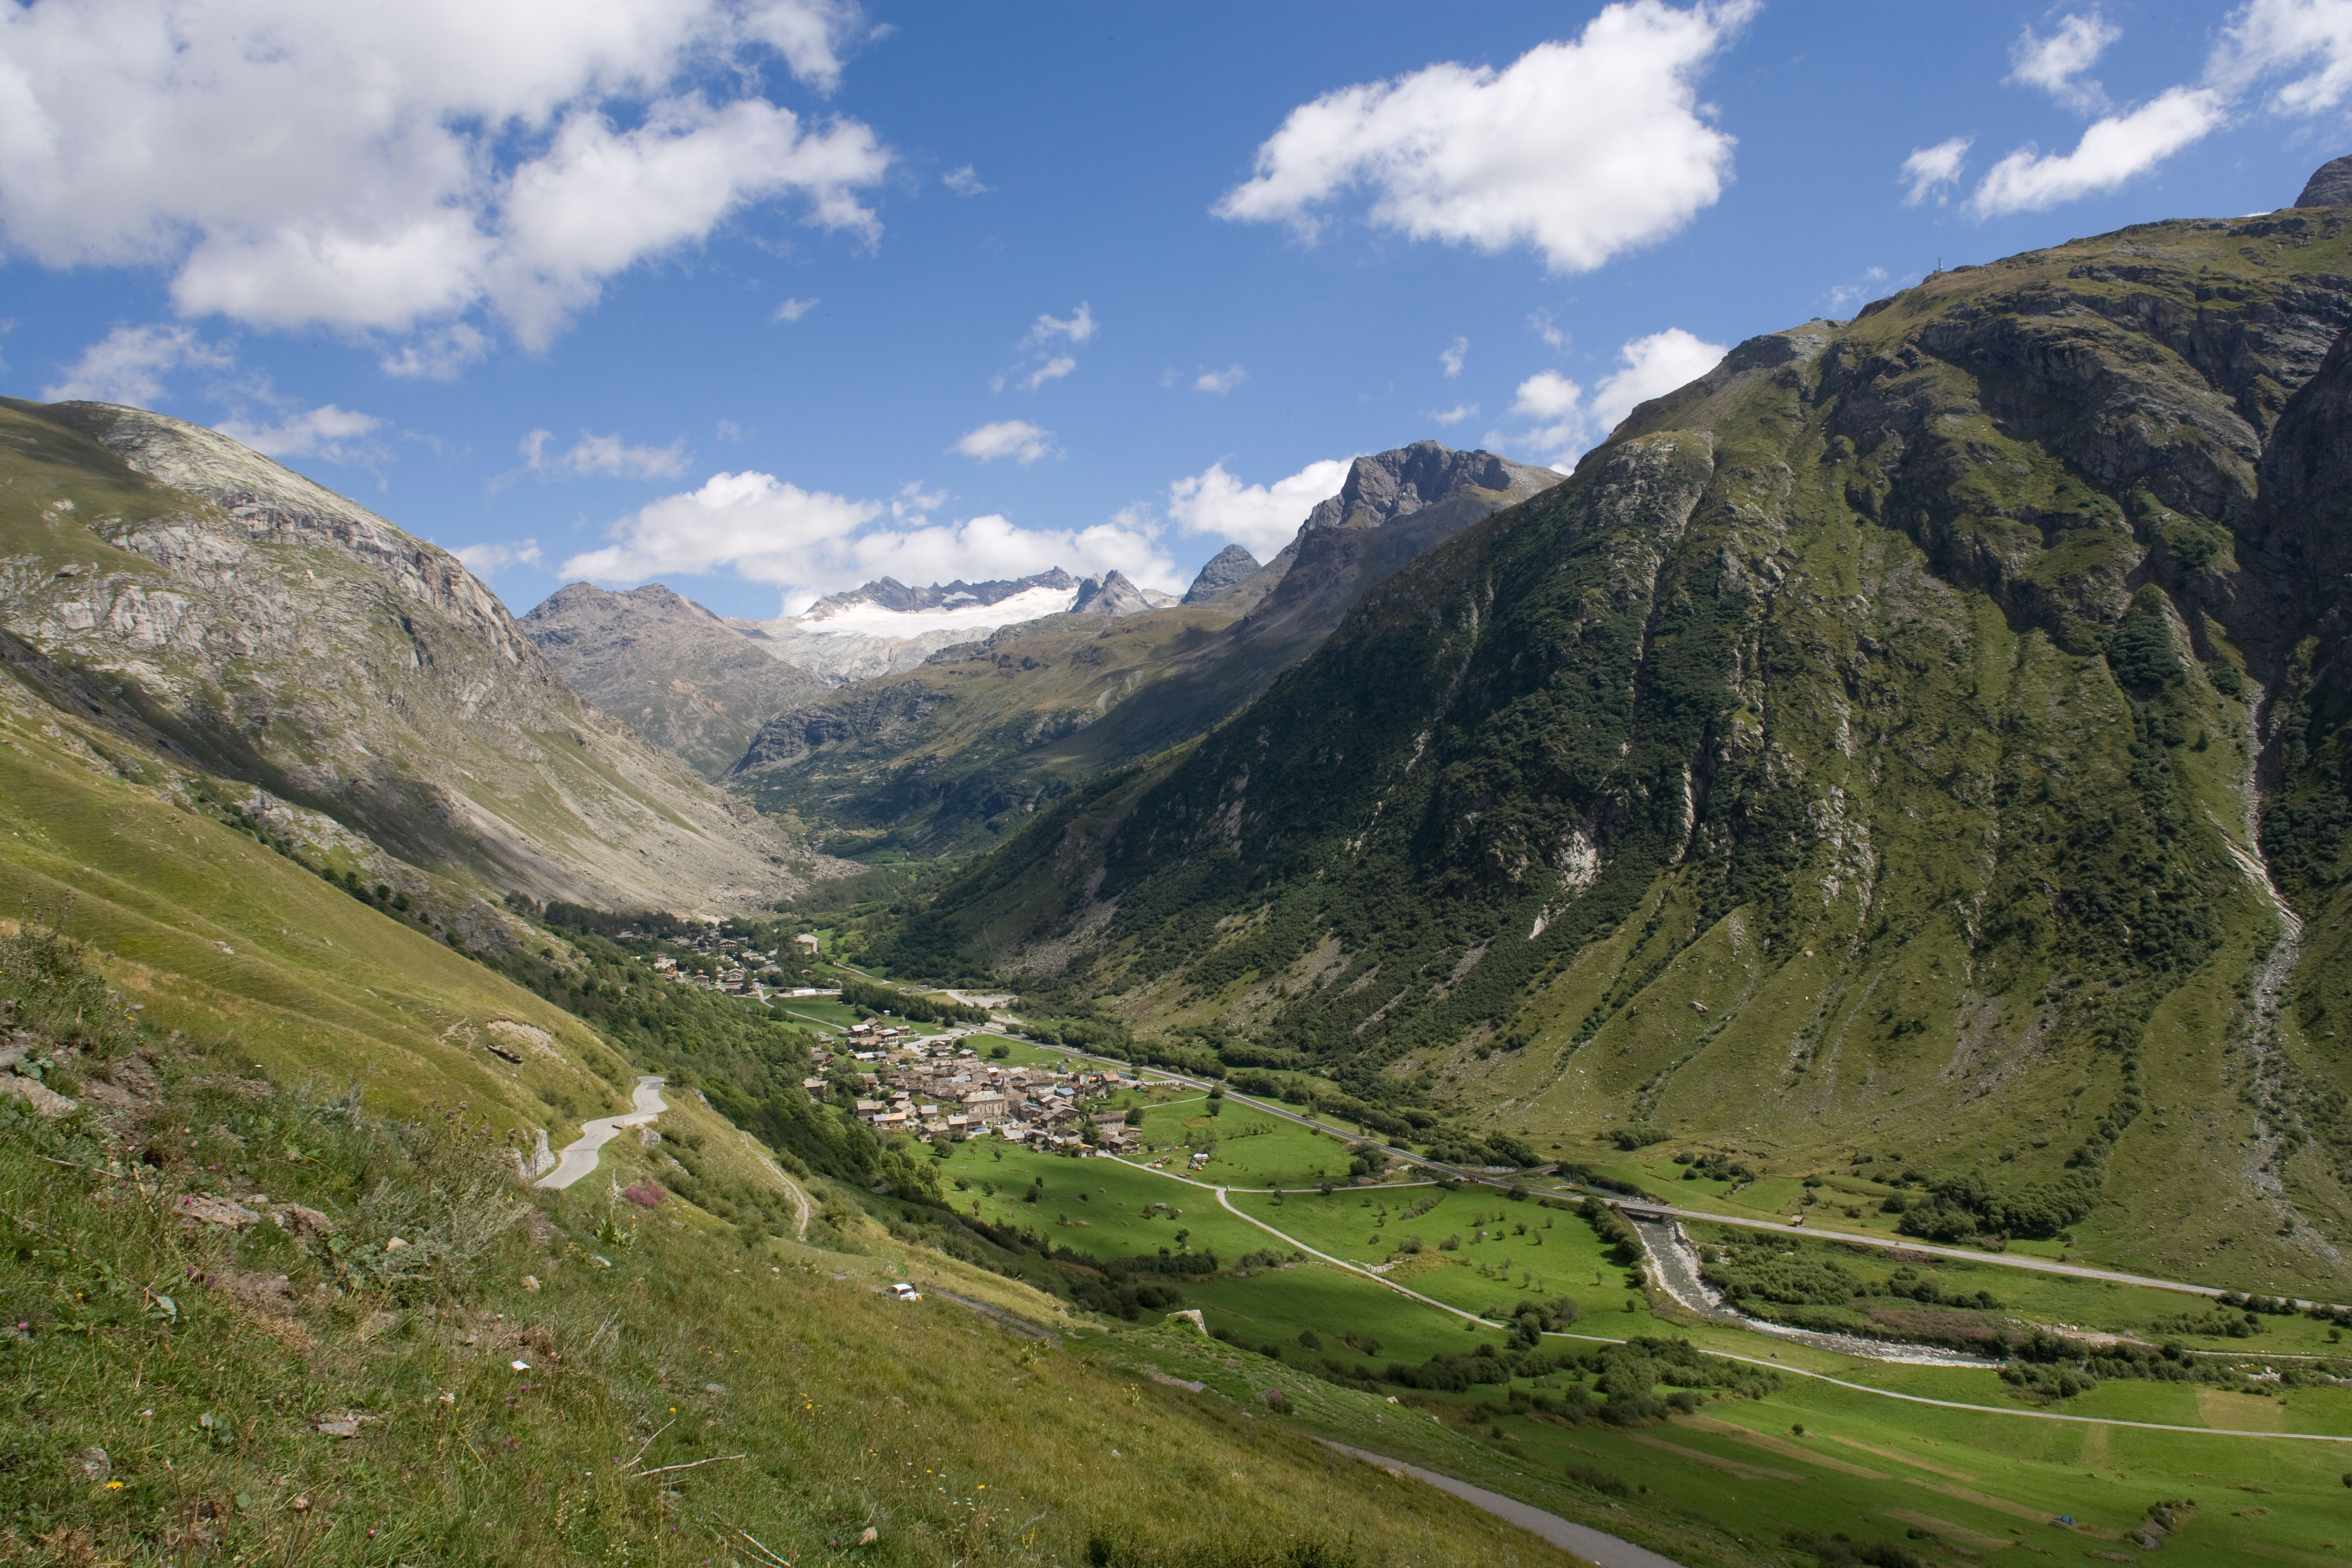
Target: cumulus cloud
338, 434
792, 311
964, 183
389, 170
1934, 171
2309, 41
603, 456
1561, 422
1456, 414
1549, 331
1579, 150
1014, 438
2112, 151
762, 529
2055, 64
128, 365
483, 560
1221, 381
1452, 356
1259, 518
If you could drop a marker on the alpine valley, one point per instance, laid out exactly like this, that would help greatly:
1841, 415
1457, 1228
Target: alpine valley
1814, 950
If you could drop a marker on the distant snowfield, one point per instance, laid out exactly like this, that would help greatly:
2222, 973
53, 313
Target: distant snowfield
869, 619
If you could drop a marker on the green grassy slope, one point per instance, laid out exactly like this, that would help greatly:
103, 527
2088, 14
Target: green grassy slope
1854, 757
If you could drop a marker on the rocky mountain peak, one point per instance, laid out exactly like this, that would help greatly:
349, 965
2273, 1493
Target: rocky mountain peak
2330, 185
1389, 485
1110, 594
1226, 569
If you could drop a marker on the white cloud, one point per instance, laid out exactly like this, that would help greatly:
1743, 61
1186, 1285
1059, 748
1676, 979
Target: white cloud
1053, 369
1221, 381
1044, 342
2271, 37
129, 364
1579, 150
1452, 356
2056, 64
483, 560
1932, 171
604, 456
327, 431
2111, 152
762, 529
1081, 326
387, 169
793, 309
1456, 414
755, 523
1563, 423
1845, 296
438, 355
1259, 518
914, 500
1549, 331
1014, 438
729, 430
964, 183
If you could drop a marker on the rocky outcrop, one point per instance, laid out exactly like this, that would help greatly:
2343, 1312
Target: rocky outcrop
1226, 569
288, 637
683, 678
1110, 594
2330, 185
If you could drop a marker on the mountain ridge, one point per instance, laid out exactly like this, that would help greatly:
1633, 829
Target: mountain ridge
1873, 716
286, 636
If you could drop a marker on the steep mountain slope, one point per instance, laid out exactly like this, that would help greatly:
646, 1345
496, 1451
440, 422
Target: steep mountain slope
968, 745
282, 635
681, 677
1856, 758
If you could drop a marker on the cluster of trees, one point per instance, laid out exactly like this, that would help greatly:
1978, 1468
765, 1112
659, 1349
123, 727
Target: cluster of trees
1753, 1273
1960, 1207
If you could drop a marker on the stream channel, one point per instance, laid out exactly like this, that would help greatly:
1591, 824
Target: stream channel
1675, 1264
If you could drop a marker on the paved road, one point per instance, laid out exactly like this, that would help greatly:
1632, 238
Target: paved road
1973, 1255
1775, 1363
579, 1158
1598, 1546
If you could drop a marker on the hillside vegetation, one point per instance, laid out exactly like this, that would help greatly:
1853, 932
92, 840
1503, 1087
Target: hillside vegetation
1859, 756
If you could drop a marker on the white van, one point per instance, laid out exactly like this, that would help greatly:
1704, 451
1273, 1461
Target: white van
905, 1292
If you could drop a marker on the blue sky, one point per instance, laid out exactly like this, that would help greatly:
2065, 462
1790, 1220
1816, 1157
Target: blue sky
761, 298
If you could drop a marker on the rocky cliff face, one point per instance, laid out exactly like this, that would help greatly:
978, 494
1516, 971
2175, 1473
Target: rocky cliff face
290, 638
1227, 568
1859, 753
681, 677
979, 736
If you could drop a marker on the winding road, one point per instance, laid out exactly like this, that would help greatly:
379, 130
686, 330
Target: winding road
1775, 1363
579, 1158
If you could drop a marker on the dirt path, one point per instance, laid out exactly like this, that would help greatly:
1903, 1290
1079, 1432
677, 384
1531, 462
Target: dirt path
579, 1158
799, 1194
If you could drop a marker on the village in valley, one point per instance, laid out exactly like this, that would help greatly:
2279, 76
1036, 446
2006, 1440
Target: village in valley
937, 1086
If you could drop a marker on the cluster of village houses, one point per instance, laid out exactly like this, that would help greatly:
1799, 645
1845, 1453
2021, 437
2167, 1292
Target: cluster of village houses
744, 963
937, 1086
